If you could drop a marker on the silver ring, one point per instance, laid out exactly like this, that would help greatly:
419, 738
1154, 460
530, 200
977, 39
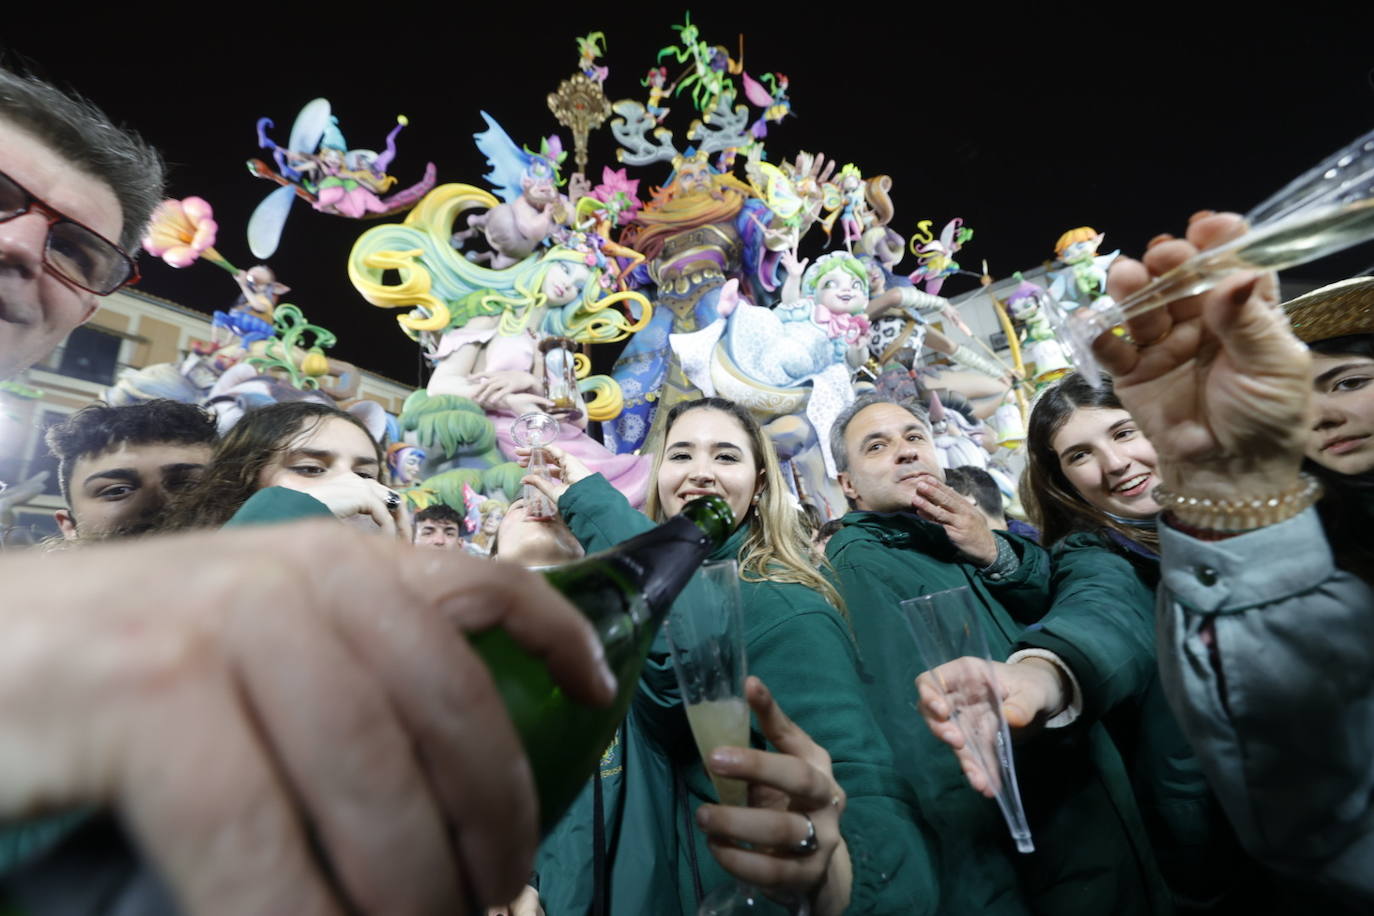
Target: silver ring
808, 845
393, 500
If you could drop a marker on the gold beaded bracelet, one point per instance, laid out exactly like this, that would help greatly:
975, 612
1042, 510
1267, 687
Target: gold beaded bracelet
1235, 515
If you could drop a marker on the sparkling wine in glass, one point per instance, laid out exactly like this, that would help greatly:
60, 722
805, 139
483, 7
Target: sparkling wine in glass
1326, 209
706, 638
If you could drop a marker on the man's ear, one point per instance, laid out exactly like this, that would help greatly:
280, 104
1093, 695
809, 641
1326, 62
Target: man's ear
850, 493
66, 523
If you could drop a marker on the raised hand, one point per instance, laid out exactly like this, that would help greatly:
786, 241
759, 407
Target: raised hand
349, 495
564, 468
966, 527
1217, 381
1031, 691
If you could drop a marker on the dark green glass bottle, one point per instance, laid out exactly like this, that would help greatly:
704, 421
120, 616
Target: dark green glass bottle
626, 593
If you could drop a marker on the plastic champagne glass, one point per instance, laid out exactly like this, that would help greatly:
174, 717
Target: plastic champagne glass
955, 654
1326, 209
533, 431
706, 638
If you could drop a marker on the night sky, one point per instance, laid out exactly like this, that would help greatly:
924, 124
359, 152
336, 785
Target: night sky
1024, 127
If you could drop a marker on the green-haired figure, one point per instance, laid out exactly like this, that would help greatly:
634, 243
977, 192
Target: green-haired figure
481, 328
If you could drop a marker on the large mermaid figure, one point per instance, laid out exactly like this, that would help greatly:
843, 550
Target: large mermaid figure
481, 327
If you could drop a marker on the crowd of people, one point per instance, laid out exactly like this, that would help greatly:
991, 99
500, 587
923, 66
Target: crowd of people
284, 715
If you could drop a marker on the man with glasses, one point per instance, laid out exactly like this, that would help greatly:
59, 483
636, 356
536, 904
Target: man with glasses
288, 718
69, 188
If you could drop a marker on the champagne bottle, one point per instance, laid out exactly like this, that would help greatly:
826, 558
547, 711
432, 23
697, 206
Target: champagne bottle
626, 593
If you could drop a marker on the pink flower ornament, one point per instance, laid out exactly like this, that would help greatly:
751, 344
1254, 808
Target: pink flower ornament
181, 231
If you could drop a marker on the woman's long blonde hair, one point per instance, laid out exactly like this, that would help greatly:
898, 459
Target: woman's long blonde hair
776, 548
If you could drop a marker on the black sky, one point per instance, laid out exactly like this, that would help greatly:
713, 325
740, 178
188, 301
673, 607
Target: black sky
1025, 124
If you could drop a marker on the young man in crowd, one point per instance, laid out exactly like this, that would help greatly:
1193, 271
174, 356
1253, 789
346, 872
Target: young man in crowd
438, 526
977, 486
912, 535
207, 687
118, 466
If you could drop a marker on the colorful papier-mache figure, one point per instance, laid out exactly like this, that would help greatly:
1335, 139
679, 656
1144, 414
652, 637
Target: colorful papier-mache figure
481, 329
770, 94
794, 358
249, 319
700, 228
284, 352
405, 462
531, 205
481, 520
589, 48
1039, 346
405, 466
1082, 277
936, 256
317, 166
656, 80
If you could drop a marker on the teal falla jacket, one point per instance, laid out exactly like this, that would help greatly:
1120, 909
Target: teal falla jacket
1092, 854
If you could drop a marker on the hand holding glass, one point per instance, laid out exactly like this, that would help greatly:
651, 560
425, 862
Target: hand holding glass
533, 431
955, 654
1325, 210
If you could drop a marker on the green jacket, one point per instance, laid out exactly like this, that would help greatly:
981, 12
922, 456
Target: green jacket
653, 779
1092, 856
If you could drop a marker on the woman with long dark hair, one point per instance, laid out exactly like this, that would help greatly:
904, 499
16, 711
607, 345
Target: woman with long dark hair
290, 460
1088, 485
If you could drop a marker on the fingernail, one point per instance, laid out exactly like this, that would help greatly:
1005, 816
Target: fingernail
1201, 214
1158, 240
725, 756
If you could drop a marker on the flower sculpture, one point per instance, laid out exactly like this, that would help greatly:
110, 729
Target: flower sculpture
182, 232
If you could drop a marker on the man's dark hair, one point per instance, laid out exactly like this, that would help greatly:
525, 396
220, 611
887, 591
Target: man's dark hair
439, 512
978, 483
98, 428
828, 529
83, 135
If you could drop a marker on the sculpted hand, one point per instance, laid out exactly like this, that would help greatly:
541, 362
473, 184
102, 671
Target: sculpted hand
496, 386
1220, 385
349, 495
967, 528
1031, 691
790, 263
786, 789
289, 718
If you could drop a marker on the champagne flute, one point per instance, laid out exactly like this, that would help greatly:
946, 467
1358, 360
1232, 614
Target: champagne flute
706, 638
954, 651
533, 431
1327, 209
